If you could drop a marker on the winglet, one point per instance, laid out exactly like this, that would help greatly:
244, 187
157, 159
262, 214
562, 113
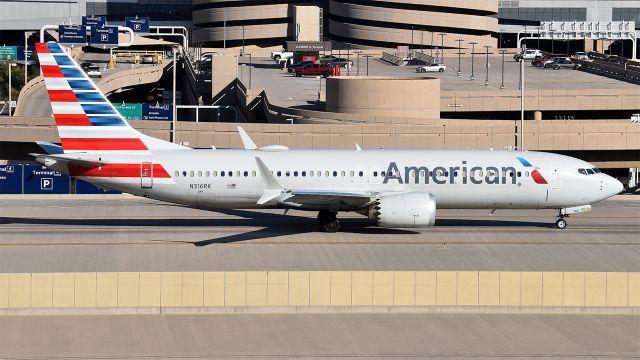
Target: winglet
246, 139
272, 188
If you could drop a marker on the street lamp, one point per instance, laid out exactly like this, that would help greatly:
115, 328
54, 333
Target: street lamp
486, 80
358, 62
367, 56
442, 35
502, 52
459, 53
411, 38
473, 50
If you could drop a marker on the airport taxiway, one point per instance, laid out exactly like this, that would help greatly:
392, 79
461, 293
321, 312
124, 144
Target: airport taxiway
136, 234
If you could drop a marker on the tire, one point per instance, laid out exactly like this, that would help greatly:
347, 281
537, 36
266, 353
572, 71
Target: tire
332, 227
298, 74
440, 70
325, 74
556, 67
561, 224
423, 70
277, 58
328, 221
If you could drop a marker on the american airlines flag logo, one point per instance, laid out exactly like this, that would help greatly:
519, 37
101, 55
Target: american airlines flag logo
535, 174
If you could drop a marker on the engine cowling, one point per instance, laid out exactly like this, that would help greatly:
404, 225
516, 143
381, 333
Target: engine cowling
405, 210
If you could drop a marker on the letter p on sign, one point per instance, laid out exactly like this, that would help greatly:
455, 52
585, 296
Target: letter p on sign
46, 184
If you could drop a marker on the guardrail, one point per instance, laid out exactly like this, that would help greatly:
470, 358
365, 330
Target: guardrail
392, 59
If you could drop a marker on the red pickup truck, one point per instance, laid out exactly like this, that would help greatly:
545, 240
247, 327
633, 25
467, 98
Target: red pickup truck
316, 70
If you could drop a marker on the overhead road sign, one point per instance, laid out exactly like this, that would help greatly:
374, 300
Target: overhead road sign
130, 111
309, 45
73, 34
11, 179
157, 112
31, 53
106, 36
93, 21
139, 25
8, 53
40, 180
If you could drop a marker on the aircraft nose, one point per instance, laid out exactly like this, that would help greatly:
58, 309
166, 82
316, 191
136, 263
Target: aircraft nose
612, 186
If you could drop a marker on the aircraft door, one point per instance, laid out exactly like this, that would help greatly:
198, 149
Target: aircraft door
146, 175
555, 175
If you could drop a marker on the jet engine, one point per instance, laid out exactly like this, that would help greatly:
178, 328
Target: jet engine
408, 210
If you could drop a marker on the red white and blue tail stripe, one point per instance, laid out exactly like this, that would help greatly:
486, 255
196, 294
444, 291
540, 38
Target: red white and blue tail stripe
86, 120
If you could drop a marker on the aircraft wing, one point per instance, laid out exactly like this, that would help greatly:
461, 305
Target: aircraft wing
319, 197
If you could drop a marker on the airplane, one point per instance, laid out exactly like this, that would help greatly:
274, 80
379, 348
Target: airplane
394, 188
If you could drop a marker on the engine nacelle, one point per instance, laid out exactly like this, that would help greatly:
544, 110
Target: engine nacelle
405, 210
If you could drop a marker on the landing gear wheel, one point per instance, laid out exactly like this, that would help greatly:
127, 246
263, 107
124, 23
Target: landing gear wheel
328, 221
561, 223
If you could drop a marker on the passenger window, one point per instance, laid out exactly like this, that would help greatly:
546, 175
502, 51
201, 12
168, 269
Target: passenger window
326, 173
215, 174
222, 173
343, 173
287, 174
238, 173
253, 173
335, 173
361, 173
526, 174
519, 174
319, 173
192, 174
422, 173
184, 173
230, 173
246, 173
207, 174
295, 173
352, 174
304, 174
199, 173
311, 173
279, 173
375, 174
177, 173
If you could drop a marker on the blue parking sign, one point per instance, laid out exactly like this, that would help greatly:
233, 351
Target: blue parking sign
106, 36
139, 25
40, 180
11, 179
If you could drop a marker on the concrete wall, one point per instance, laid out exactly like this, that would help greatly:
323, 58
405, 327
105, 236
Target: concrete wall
307, 21
302, 289
384, 96
224, 71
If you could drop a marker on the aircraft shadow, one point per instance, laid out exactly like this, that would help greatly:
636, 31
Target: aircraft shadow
492, 223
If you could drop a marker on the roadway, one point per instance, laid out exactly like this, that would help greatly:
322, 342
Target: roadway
136, 234
320, 336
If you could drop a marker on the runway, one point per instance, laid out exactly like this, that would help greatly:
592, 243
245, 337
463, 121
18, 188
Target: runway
77, 235
333, 336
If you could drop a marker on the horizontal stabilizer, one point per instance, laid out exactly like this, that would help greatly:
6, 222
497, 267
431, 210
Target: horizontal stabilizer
75, 159
50, 148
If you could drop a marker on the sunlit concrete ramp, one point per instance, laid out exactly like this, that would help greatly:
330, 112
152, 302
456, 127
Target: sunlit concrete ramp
33, 100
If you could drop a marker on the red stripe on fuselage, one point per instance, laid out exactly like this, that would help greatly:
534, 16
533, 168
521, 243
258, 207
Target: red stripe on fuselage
51, 71
62, 96
538, 178
116, 170
102, 144
42, 48
72, 120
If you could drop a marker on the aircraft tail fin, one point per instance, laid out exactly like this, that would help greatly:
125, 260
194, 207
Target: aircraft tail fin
86, 120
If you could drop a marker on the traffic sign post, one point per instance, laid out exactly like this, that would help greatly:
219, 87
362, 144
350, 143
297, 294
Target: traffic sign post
73, 34
139, 25
93, 21
107, 36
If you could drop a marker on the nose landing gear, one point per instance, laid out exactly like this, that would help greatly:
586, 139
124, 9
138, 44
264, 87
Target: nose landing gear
328, 221
561, 223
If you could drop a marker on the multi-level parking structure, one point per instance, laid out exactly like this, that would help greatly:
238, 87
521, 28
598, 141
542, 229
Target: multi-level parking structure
389, 23
258, 22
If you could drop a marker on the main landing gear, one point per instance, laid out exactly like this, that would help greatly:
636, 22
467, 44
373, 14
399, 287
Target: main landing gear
328, 221
561, 223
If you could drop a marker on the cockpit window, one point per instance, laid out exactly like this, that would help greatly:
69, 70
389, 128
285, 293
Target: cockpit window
590, 172
596, 170
582, 171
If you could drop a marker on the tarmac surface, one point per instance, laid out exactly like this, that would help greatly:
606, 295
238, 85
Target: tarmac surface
326, 336
136, 234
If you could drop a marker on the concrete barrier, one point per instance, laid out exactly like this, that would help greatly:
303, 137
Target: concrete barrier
308, 291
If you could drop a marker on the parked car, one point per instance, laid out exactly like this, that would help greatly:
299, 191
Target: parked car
85, 66
300, 64
345, 63
325, 59
539, 60
282, 54
614, 59
431, 68
563, 63
315, 70
94, 71
581, 55
528, 54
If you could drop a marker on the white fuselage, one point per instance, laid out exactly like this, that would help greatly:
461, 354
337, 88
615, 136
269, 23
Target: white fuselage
457, 179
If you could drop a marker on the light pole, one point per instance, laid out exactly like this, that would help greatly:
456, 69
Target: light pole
522, 104
442, 35
367, 56
486, 65
175, 112
421, 40
502, 52
459, 54
242, 39
10, 65
411, 38
473, 50
431, 44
